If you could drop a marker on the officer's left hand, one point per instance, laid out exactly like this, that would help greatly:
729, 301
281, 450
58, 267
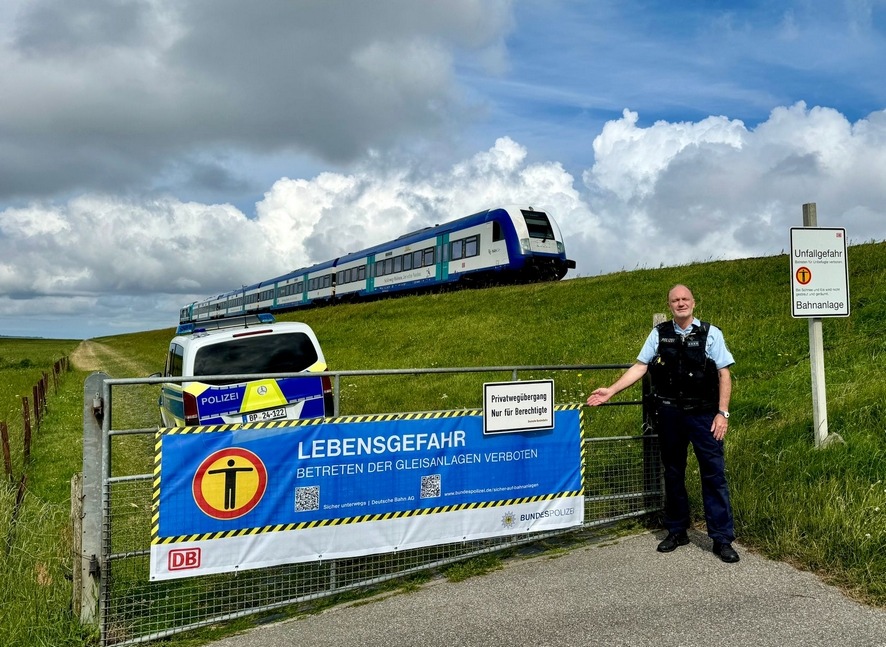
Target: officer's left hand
718, 428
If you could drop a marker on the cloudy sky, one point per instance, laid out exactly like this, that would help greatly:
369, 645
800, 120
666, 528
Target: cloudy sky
157, 151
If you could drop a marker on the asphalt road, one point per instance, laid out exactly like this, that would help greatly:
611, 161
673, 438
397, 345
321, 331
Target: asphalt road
619, 592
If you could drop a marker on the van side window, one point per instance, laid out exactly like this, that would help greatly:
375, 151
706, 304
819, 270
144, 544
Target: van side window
174, 360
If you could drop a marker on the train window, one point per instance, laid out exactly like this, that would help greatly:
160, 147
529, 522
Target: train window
389, 266
327, 281
496, 231
457, 248
416, 259
538, 224
398, 264
361, 272
428, 256
472, 246
407, 261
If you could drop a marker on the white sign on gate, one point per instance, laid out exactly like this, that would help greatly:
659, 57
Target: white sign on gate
819, 272
518, 406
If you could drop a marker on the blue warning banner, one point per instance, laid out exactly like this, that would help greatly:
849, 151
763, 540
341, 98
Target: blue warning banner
299, 477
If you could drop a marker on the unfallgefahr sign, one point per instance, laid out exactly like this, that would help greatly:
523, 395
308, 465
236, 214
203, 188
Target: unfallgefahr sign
819, 272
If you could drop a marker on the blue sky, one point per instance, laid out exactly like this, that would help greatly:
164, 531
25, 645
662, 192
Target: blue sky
157, 151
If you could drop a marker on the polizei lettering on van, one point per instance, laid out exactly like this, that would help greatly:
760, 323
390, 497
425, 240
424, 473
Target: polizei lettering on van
218, 399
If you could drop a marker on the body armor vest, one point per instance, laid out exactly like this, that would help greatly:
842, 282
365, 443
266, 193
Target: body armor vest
681, 372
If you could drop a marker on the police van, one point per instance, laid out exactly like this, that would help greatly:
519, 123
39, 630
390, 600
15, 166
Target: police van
237, 348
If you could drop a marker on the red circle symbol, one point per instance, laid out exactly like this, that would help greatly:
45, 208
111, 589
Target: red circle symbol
229, 483
803, 275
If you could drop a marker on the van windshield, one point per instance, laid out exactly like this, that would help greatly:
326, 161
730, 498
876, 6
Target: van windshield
282, 353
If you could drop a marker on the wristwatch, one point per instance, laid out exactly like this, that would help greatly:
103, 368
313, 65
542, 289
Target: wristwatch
725, 414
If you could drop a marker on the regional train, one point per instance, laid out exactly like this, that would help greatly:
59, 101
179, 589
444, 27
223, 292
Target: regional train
501, 245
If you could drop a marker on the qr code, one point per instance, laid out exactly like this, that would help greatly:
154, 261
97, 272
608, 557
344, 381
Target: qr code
307, 498
430, 486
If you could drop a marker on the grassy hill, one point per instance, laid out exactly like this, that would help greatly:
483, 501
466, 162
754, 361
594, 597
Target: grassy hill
824, 509
820, 509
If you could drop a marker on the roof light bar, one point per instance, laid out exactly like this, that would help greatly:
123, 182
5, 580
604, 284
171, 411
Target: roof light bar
243, 321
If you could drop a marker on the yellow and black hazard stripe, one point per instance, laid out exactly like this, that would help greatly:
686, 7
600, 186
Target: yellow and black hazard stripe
344, 521
382, 417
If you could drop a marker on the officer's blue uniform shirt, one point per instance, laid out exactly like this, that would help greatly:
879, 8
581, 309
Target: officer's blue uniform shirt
715, 348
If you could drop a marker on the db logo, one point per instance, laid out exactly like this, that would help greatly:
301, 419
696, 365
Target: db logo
182, 559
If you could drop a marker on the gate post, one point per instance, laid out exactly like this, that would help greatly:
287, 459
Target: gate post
652, 475
89, 556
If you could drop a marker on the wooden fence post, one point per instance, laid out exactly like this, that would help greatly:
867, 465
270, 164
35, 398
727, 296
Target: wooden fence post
35, 397
7, 457
26, 415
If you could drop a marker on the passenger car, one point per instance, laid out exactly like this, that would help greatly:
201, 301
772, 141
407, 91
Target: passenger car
223, 356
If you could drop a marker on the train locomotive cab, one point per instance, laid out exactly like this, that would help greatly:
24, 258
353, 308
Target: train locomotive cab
536, 249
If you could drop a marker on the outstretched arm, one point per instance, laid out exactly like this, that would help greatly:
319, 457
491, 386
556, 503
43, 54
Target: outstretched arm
629, 377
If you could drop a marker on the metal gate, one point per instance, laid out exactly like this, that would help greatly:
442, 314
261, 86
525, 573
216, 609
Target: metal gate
621, 480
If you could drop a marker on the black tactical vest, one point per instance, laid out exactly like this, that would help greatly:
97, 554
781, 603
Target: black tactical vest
682, 375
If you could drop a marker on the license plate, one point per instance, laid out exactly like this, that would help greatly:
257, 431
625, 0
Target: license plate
261, 416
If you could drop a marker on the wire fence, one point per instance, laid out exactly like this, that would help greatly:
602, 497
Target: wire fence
33, 412
621, 480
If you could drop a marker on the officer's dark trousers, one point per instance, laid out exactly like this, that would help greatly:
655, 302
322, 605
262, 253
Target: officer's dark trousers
676, 429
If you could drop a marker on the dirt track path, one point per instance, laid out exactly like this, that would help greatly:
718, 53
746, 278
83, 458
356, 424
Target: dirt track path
95, 356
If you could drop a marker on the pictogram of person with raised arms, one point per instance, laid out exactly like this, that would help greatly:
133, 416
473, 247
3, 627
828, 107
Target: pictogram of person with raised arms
230, 473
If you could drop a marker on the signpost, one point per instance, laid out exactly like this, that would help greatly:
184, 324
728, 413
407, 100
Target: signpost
819, 288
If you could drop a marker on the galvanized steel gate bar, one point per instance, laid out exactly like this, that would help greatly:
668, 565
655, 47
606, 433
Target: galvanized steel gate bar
622, 481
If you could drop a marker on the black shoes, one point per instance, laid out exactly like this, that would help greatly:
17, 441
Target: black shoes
725, 551
673, 540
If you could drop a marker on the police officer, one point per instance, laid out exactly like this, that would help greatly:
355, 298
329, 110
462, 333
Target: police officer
688, 363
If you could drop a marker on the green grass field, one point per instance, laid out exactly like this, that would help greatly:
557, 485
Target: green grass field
819, 509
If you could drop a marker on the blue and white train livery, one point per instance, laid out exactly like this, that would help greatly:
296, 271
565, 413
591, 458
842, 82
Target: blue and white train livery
505, 244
